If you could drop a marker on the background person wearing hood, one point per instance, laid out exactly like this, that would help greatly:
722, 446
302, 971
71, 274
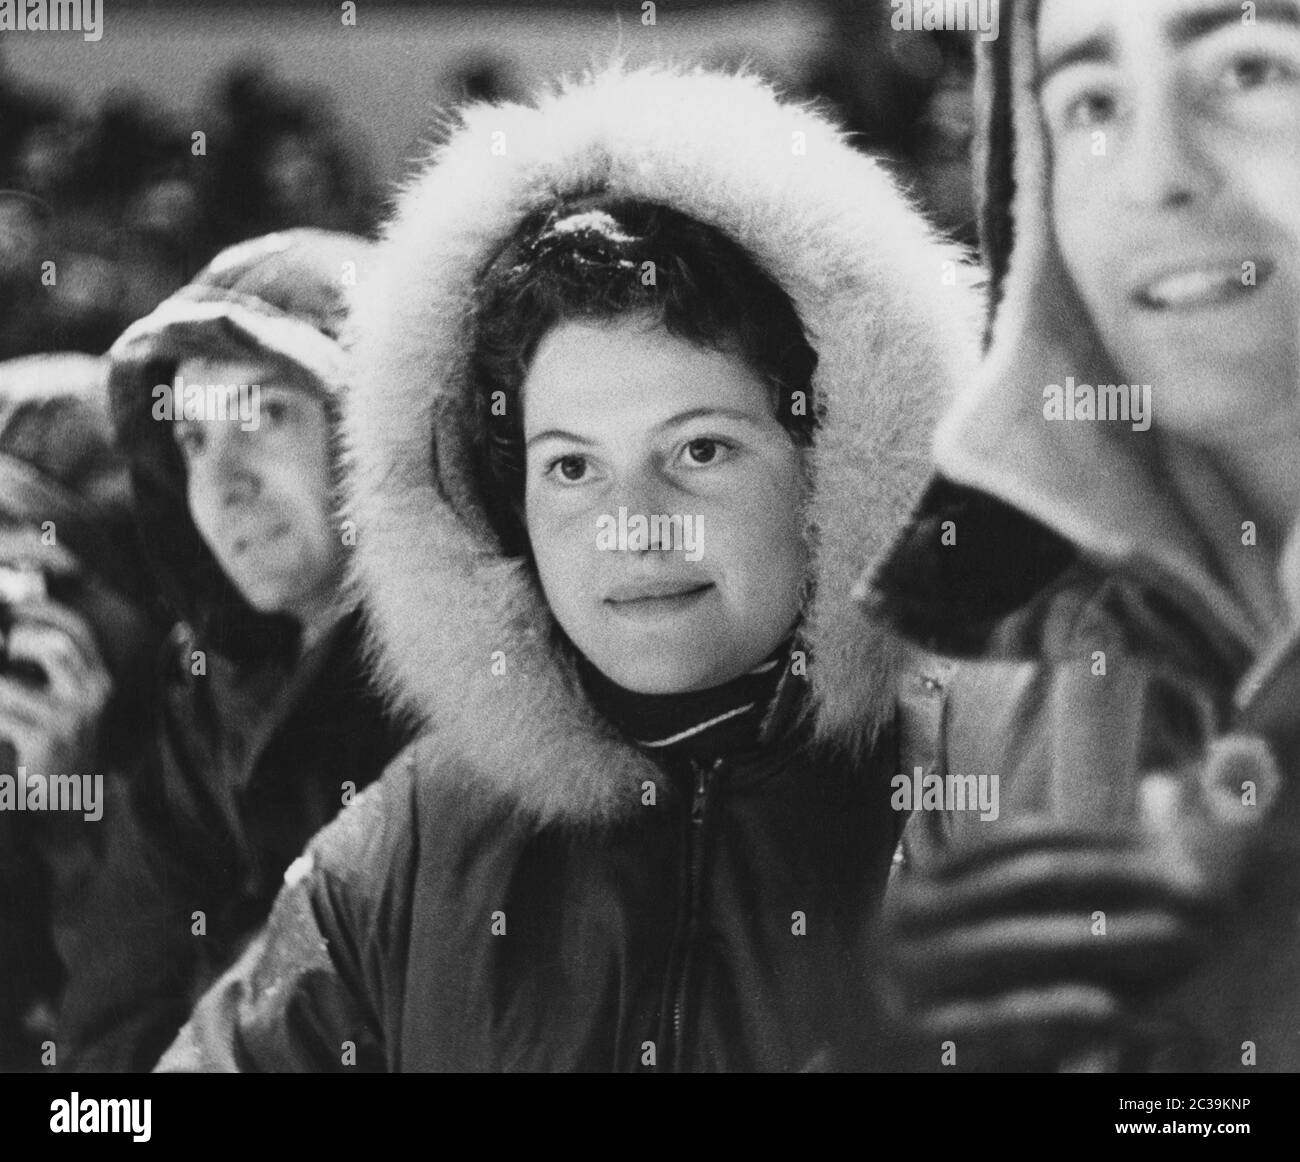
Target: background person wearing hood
1130, 588
78, 634
268, 725
653, 826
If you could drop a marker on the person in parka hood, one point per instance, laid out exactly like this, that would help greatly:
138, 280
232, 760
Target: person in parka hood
648, 826
225, 400
79, 631
1127, 559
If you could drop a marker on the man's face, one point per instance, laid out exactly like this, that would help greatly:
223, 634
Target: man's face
627, 415
1174, 129
261, 498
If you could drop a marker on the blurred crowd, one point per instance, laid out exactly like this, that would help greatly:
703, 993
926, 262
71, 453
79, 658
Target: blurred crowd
128, 206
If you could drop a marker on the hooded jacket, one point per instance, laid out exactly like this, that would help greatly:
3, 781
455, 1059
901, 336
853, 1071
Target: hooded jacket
527, 889
256, 744
60, 474
1105, 645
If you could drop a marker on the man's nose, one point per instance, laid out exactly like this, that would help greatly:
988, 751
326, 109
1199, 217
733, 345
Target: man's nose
1165, 164
232, 465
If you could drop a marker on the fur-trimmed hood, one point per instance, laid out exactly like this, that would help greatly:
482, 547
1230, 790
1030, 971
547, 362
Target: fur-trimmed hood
462, 635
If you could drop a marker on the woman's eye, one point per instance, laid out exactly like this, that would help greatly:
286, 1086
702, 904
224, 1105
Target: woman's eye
276, 411
570, 469
704, 451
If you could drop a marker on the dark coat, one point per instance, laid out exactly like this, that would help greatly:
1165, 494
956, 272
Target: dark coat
1078, 686
720, 929
249, 763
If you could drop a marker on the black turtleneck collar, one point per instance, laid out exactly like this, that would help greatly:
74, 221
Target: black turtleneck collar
698, 724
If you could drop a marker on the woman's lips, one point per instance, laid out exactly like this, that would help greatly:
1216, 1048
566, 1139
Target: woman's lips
657, 600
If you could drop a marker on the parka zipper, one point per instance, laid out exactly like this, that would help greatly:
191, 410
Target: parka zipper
694, 871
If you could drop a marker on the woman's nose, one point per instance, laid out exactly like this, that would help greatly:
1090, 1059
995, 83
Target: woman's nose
647, 494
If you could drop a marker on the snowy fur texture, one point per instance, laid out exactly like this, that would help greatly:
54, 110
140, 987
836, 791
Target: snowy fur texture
876, 293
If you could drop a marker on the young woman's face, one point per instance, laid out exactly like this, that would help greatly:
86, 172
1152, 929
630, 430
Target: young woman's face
1174, 128
261, 498
626, 416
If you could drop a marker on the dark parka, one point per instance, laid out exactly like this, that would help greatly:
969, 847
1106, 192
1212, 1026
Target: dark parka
532, 891
255, 744
1115, 675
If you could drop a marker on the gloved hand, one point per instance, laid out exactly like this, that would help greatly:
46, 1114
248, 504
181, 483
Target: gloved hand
1037, 951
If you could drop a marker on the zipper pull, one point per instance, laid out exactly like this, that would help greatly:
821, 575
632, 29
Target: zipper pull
701, 793
702, 788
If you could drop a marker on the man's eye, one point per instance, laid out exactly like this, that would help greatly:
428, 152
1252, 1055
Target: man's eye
704, 451
190, 440
1089, 109
570, 469
1254, 72
276, 411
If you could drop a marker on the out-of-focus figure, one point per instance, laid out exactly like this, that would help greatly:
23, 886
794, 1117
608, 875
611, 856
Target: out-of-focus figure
78, 637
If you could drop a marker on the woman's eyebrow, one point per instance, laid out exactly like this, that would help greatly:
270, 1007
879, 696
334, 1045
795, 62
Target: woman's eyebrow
743, 417
558, 434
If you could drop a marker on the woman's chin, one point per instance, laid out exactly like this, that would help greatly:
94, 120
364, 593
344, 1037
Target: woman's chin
669, 676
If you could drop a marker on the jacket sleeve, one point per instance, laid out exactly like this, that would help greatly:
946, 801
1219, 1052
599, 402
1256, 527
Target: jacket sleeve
132, 956
313, 991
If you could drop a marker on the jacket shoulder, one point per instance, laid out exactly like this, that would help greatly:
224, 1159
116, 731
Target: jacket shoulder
372, 832
424, 809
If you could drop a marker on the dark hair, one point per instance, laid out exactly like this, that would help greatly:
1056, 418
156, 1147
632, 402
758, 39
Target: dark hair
598, 259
